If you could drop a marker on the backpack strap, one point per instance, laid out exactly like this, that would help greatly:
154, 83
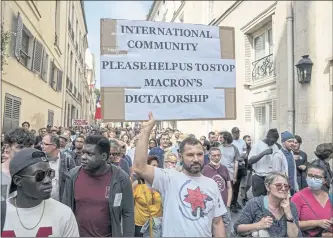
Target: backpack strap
3, 214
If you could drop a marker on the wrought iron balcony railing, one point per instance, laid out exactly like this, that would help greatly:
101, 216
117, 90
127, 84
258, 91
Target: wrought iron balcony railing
263, 68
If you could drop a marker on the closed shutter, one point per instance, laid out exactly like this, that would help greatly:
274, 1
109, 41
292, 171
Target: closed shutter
50, 117
51, 74
18, 41
11, 112
59, 81
248, 113
37, 57
248, 59
45, 65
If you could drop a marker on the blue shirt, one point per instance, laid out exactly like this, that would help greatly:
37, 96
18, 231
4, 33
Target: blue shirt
128, 159
159, 153
291, 167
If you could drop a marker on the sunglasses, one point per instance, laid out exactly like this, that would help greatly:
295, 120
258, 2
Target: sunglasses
279, 186
40, 175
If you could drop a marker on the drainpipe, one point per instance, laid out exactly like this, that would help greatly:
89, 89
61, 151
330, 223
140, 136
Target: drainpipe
290, 68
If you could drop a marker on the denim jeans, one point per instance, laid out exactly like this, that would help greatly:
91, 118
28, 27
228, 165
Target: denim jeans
227, 223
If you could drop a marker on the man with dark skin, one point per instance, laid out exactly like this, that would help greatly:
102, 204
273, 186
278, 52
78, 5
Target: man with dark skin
99, 193
32, 212
260, 158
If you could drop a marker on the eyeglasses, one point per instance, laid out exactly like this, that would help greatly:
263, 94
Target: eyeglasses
114, 154
40, 175
315, 176
45, 144
279, 186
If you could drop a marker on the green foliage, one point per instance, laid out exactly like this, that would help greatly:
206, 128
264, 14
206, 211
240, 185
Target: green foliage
5, 39
97, 92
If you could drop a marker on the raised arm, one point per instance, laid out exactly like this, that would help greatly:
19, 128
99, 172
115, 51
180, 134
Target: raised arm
140, 165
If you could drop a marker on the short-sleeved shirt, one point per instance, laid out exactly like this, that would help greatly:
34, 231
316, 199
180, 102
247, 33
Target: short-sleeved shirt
309, 209
264, 166
191, 203
230, 155
220, 176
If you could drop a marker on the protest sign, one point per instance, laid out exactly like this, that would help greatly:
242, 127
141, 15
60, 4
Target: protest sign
79, 122
162, 67
148, 72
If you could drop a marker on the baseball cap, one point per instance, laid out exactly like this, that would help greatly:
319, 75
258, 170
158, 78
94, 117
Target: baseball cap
23, 159
235, 130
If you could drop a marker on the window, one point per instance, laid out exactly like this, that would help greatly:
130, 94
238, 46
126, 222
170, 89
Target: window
11, 117
50, 117
263, 48
25, 49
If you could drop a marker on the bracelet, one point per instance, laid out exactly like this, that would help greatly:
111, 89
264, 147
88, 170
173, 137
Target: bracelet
291, 220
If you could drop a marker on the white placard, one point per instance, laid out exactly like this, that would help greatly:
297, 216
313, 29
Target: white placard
167, 73
175, 104
178, 46
150, 28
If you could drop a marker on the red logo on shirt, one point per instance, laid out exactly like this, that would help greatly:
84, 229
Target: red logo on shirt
42, 232
196, 198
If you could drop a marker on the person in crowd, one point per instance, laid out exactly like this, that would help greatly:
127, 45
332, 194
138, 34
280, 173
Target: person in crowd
116, 158
127, 140
152, 144
189, 197
26, 125
220, 174
112, 135
212, 137
5, 155
99, 193
124, 156
206, 145
283, 161
63, 139
230, 159
78, 150
246, 182
147, 203
32, 213
301, 159
105, 133
175, 139
314, 206
15, 140
272, 215
260, 158
324, 153
170, 160
2, 139
159, 151
60, 162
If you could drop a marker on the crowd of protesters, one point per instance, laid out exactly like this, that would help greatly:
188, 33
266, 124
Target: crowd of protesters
144, 182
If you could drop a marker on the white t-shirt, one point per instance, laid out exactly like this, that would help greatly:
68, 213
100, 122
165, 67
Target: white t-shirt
58, 221
55, 181
240, 144
264, 166
189, 203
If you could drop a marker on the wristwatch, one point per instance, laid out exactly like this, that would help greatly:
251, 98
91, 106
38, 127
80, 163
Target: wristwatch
291, 220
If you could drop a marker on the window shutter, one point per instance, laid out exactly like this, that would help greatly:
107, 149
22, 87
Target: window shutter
248, 59
248, 113
37, 57
45, 64
274, 110
18, 42
7, 117
16, 113
59, 82
51, 74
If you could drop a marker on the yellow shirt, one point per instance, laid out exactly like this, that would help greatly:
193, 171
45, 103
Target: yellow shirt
141, 212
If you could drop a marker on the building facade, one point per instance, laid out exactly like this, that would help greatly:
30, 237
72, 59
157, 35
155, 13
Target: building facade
271, 38
91, 98
76, 45
32, 77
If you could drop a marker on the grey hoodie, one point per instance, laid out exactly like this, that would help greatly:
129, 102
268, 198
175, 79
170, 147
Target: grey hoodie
122, 217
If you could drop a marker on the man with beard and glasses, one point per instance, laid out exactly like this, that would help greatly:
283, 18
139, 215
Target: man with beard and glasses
260, 158
99, 193
192, 203
32, 212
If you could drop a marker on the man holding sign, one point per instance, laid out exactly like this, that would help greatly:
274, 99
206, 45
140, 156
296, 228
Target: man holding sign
192, 203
